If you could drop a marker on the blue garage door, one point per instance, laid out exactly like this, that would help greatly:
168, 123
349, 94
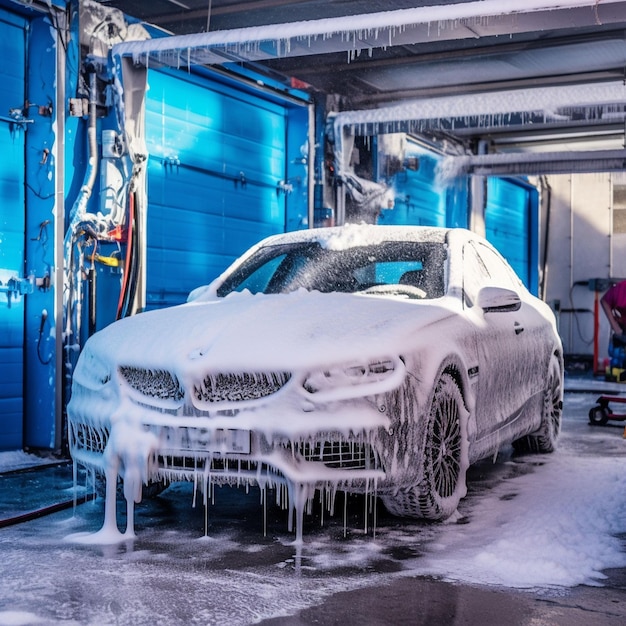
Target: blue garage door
216, 179
510, 223
12, 219
418, 199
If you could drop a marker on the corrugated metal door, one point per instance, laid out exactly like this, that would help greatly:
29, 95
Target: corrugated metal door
217, 160
12, 226
510, 219
418, 199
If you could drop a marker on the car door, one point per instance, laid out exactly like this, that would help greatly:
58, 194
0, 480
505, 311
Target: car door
507, 343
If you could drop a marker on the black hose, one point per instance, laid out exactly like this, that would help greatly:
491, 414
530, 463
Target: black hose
134, 278
91, 294
42, 326
132, 263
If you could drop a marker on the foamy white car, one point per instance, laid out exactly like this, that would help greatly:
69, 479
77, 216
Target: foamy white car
361, 359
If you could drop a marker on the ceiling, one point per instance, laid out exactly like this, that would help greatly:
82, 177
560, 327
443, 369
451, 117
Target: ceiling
367, 57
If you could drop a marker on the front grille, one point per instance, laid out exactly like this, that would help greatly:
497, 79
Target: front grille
180, 453
339, 454
239, 387
217, 470
201, 463
91, 438
158, 384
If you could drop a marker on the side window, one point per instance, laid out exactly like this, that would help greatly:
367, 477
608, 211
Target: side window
483, 267
475, 274
500, 272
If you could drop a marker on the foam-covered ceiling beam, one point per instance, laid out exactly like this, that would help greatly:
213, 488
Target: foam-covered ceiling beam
356, 34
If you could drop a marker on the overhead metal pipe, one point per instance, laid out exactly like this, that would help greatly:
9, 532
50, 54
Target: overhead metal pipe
348, 33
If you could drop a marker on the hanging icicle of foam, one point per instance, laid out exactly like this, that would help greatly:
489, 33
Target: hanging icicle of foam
130, 453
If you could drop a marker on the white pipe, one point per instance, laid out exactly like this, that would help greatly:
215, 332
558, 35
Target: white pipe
311, 164
478, 197
72, 325
59, 225
80, 205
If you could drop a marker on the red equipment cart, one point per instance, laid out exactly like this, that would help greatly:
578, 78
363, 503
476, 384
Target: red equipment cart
599, 415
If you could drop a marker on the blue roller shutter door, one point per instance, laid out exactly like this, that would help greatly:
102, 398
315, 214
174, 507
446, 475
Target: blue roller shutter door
510, 223
418, 199
216, 157
12, 227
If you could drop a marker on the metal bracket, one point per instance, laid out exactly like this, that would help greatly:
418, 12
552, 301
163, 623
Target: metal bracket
16, 287
16, 119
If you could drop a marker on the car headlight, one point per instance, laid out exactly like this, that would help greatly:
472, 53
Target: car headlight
92, 371
351, 380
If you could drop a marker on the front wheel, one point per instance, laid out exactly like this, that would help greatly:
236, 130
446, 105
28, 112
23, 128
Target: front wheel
444, 459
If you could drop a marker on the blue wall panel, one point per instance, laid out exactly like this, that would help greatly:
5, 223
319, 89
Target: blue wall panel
217, 156
508, 223
42, 424
12, 225
11, 398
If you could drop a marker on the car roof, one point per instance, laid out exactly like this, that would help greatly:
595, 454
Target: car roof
352, 235
343, 238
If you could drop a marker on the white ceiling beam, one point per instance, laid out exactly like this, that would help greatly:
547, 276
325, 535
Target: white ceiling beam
551, 102
355, 33
534, 163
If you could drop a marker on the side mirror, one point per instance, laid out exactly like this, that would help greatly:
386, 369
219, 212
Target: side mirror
498, 299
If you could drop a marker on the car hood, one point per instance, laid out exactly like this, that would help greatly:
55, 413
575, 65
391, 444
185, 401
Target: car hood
244, 331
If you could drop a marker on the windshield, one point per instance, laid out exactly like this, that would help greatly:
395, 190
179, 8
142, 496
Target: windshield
287, 267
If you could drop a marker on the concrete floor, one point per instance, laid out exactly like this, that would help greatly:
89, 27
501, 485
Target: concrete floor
248, 571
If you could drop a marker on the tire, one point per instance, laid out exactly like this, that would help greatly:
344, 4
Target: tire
598, 416
444, 455
545, 438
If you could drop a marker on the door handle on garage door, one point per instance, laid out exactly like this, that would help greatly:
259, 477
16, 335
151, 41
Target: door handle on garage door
518, 328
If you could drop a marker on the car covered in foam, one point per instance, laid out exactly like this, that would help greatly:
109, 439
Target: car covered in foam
362, 359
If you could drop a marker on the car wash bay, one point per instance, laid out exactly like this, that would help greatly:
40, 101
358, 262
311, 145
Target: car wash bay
235, 152
228, 164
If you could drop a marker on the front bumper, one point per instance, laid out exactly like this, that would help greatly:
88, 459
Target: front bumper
321, 449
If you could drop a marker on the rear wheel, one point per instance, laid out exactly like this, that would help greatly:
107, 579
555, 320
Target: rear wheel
444, 458
546, 437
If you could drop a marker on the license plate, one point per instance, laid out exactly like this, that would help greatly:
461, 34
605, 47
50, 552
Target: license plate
231, 441
225, 441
